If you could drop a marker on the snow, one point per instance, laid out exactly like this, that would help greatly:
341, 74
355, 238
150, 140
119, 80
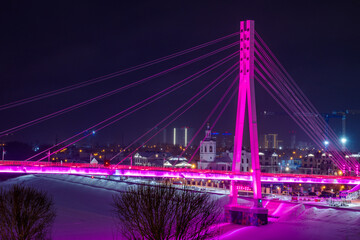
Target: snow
94, 161
84, 212
300, 222
83, 209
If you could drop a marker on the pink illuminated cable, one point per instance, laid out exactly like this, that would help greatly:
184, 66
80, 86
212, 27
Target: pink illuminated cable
212, 112
321, 127
183, 82
302, 126
315, 122
286, 98
289, 111
156, 97
112, 75
209, 116
288, 95
172, 120
215, 122
324, 128
218, 79
65, 110
22, 126
306, 100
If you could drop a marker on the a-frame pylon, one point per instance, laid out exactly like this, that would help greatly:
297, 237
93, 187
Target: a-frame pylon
247, 95
256, 215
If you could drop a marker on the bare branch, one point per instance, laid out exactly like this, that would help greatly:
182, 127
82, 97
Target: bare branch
162, 212
25, 213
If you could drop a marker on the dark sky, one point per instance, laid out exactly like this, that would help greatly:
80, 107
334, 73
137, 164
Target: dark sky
52, 44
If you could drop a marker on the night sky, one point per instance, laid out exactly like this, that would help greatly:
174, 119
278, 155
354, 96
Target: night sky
52, 44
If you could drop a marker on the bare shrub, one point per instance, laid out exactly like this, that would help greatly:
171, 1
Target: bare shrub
25, 213
163, 212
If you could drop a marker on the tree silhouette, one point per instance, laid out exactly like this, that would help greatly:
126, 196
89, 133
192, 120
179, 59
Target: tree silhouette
25, 213
163, 212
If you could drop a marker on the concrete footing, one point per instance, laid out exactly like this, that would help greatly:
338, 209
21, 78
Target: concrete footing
245, 215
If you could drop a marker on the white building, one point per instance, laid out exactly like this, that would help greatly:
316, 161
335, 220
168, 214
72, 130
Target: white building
157, 159
245, 165
207, 150
269, 162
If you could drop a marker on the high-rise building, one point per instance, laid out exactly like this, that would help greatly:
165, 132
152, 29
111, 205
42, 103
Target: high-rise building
174, 137
164, 136
182, 136
271, 141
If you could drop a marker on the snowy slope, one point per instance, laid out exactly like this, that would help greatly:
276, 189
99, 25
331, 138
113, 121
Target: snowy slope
83, 212
301, 223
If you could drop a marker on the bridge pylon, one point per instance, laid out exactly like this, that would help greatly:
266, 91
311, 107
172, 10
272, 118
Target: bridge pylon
257, 213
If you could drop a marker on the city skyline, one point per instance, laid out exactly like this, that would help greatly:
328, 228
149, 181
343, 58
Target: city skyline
180, 120
62, 55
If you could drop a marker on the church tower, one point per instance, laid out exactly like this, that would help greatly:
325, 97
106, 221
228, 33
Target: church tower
207, 147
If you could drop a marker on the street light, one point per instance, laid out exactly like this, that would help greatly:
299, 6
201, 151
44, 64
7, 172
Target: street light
343, 141
326, 142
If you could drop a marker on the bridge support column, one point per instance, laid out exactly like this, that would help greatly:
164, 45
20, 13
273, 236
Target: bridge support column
256, 215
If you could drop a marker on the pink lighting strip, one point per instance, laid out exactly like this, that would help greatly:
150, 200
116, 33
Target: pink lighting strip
139, 171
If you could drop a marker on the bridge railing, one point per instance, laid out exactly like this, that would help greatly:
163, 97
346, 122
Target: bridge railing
89, 165
150, 168
48, 164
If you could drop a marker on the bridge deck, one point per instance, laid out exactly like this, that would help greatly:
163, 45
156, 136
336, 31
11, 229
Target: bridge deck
144, 171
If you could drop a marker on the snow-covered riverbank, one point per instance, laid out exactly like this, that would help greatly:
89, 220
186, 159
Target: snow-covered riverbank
84, 212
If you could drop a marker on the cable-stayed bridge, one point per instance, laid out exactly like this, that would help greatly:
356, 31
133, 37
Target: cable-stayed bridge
247, 59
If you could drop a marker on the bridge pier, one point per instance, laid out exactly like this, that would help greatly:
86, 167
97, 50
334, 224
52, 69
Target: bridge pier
246, 216
256, 215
